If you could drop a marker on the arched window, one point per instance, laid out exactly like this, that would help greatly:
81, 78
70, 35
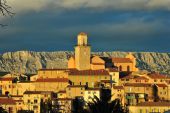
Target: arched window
120, 68
128, 68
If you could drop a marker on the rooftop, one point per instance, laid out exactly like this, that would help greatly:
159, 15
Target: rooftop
7, 101
121, 60
36, 92
118, 87
88, 72
76, 86
7, 78
161, 85
138, 84
52, 80
154, 104
55, 69
157, 76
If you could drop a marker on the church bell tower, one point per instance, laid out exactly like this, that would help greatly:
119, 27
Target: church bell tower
82, 52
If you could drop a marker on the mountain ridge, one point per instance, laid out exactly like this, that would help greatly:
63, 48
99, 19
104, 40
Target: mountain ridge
31, 61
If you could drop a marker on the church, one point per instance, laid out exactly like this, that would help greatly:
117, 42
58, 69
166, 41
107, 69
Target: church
82, 60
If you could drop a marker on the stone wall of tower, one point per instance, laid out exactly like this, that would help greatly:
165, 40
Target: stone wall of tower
82, 53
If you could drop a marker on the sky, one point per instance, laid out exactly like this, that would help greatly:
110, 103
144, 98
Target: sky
111, 25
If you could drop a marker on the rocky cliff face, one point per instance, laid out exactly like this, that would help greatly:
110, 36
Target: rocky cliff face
30, 62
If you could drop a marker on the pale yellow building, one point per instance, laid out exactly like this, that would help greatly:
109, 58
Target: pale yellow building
73, 91
90, 78
33, 99
117, 92
90, 93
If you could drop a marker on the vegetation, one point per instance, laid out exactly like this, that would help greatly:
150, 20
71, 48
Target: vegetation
103, 105
2, 110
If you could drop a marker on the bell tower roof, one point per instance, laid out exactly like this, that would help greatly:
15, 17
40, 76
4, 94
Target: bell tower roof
82, 33
82, 39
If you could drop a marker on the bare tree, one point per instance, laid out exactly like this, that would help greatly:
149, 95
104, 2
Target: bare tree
5, 10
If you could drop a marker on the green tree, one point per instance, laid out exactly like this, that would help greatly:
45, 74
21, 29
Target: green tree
2, 110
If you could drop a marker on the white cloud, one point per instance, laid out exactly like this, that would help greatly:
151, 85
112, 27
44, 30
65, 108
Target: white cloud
38, 5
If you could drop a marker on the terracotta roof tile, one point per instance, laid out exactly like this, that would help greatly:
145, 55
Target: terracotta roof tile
121, 60
7, 101
7, 79
106, 81
52, 80
91, 89
98, 63
140, 78
154, 104
118, 87
53, 69
36, 92
137, 84
76, 86
161, 85
88, 72
62, 92
157, 76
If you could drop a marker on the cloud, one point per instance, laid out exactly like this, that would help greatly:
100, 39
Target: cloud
39, 5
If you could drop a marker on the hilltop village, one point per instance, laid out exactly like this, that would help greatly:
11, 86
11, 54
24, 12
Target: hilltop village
140, 91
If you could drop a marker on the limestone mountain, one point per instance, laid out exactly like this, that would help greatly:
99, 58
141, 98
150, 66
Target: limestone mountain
30, 62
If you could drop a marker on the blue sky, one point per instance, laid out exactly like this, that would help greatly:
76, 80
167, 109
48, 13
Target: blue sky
124, 25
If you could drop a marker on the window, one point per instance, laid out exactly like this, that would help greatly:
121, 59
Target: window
81, 92
128, 68
89, 92
80, 83
155, 80
35, 107
35, 101
120, 68
28, 101
94, 92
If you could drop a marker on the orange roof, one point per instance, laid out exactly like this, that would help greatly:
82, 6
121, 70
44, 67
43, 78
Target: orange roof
37, 92
154, 104
127, 77
52, 80
7, 79
121, 60
98, 63
161, 85
118, 87
91, 89
7, 101
106, 81
76, 86
82, 33
53, 69
88, 72
62, 91
140, 78
157, 76
138, 84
